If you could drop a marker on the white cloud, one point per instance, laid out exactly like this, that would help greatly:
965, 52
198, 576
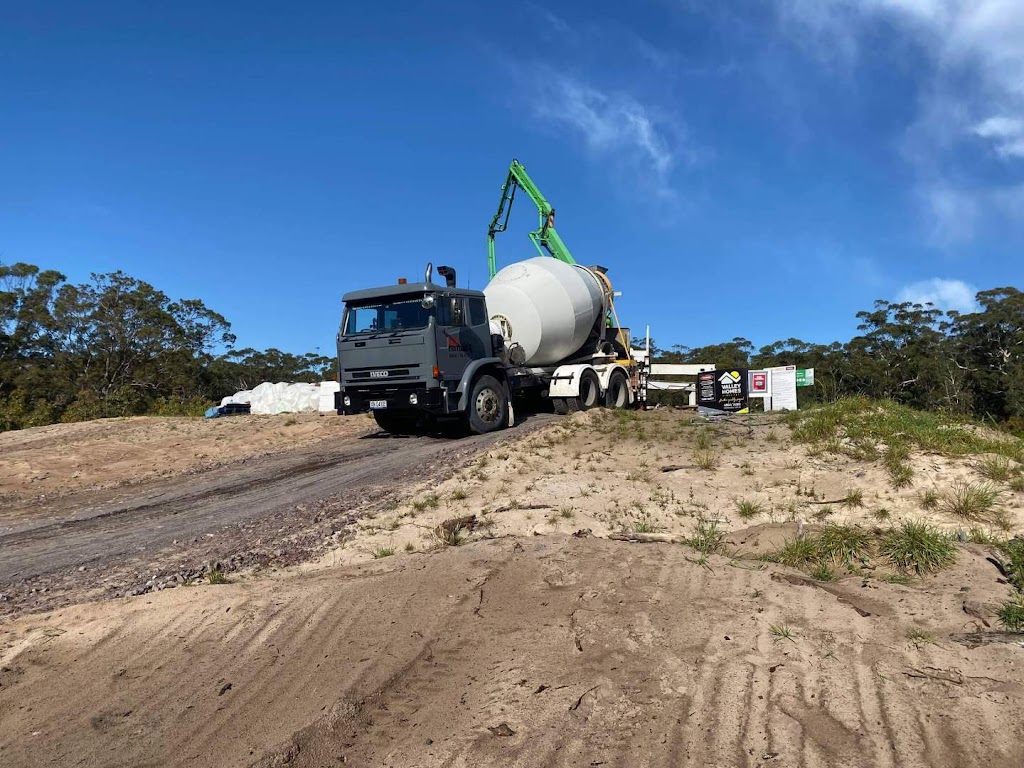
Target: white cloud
951, 213
610, 123
1007, 133
944, 294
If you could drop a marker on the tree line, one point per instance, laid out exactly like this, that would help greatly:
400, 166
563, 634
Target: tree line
116, 346
970, 364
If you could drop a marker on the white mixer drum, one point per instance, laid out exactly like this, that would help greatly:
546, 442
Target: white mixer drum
546, 306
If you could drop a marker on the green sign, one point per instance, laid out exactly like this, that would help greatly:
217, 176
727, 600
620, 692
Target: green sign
805, 377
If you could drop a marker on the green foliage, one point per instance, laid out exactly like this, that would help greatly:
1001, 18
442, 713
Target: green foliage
999, 469
707, 537
801, 552
979, 502
1011, 614
844, 544
918, 547
747, 509
117, 346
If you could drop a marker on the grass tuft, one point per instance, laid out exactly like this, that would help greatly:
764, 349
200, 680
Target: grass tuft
844, 544
918, 547
429, 501
382, 551
747, 509
706, 460
920, 637
782, 632
854, 498
977, 502
645, 524
707, 537
822, 572
801, 552
217, 577
1011, 614
999, 469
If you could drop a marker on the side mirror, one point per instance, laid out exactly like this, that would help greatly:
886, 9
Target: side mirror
428, 301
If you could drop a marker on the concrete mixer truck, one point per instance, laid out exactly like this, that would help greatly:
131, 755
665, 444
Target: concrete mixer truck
414, 354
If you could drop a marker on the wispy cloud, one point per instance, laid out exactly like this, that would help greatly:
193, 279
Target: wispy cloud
614, 125
1006, 133
943, 294
972, 89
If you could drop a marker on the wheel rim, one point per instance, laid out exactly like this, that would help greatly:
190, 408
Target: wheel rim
589, 393
488, 405
618, 393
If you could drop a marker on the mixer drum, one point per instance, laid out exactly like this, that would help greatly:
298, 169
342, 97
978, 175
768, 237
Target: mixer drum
545, 306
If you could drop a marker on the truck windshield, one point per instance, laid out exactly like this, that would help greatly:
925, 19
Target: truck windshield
404, 315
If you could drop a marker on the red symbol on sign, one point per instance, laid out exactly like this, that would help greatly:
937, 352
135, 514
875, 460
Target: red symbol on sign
759, 382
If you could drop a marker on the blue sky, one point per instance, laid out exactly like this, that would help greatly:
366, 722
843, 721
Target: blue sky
744, 168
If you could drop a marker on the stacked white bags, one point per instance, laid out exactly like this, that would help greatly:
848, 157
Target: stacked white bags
281, 397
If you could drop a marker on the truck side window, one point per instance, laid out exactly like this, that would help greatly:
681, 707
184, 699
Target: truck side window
458, 312
477, 312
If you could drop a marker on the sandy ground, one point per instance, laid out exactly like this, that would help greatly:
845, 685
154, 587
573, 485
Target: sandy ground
538, 651
46, 462
528, 645
594, 472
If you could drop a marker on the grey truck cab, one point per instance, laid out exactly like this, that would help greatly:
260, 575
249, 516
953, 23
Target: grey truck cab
417, 353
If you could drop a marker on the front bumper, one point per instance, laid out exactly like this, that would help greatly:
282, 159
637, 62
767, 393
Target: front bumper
431, 400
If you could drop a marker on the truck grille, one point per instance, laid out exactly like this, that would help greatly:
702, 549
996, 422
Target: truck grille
375, 373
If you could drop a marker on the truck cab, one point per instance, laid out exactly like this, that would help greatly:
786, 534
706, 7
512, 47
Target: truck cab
415, 353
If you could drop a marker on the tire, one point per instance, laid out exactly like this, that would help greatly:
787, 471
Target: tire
617, 394
395, 423
561, 407
488, 406
590, 393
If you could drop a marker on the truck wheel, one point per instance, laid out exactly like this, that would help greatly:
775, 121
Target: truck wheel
396, 424
590, 393
488, 406
561, 407
617, 394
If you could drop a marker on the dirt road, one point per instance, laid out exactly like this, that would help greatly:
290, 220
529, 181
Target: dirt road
550, 651
217, 513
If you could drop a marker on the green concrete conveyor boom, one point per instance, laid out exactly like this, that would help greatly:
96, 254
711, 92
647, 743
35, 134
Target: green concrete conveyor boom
545, 238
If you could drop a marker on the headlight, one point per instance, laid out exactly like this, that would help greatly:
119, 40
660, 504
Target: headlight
413, 399
347, 401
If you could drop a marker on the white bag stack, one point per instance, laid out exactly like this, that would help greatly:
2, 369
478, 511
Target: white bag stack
281, 397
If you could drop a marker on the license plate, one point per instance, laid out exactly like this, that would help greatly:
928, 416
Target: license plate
376, 405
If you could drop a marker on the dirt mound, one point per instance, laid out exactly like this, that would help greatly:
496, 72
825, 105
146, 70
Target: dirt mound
538, 651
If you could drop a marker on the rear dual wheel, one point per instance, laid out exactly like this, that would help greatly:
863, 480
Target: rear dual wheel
589, 396
617, 394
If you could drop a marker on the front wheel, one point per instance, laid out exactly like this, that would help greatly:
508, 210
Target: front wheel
488, 406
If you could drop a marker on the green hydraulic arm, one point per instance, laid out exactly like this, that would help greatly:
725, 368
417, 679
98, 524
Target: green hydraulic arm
544, 238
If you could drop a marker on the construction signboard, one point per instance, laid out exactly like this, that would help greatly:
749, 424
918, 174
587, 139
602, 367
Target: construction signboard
760, 384
783, 389
722, 392
805, 377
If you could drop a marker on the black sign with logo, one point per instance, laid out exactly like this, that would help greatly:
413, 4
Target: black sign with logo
723, 391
